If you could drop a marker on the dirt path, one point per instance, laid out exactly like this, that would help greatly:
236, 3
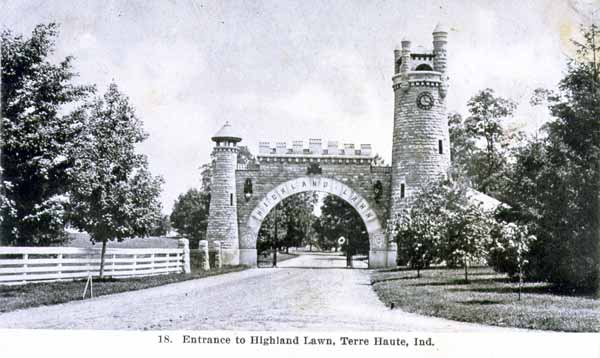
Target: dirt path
291, 297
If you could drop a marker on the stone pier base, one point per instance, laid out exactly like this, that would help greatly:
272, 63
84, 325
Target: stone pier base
248, 257
392, 255
377, 259
382, 258
230, 257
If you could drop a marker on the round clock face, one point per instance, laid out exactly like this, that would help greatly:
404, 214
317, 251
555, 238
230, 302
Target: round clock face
425, 100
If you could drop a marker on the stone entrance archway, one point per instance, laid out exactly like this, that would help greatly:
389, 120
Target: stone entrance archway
243, 194
347, 173
420, 143
379, 254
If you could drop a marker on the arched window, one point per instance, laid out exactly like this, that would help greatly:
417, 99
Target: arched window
423, 67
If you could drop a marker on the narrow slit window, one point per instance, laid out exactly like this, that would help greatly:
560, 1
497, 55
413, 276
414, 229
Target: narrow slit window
402, 191
440, 147
230, 199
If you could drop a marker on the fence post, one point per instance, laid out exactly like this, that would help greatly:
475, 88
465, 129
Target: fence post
60, 258
152, 264
185, 245
25, 257
218, 251
203, 248
88, 263
134, 264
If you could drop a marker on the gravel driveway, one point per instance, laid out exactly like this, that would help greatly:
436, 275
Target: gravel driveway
325, 296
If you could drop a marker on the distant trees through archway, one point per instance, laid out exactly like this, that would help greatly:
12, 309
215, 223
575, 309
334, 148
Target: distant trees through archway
312, 221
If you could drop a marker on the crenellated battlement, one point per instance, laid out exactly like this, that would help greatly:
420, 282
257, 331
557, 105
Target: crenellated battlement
314, 150
422, 68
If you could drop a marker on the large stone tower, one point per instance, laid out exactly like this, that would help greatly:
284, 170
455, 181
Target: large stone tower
421, 143
222, 218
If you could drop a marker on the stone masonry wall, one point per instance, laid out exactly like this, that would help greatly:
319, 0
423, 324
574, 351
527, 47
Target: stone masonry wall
360, 177
415, 156
222, 223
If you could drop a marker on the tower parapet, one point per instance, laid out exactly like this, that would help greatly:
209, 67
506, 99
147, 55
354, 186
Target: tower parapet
421, 144
222, 221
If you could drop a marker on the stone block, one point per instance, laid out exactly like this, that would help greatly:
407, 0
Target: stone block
248, 257
230, 257
378, 259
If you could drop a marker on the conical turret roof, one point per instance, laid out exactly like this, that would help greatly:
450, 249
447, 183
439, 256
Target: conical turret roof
226, 133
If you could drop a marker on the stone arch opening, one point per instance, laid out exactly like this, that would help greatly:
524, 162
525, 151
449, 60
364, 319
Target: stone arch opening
378, 251
293, 219
423, 67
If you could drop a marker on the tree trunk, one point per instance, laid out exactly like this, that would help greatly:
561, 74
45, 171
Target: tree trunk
466, 265
102, 258
520, 280
418, 273
490, 169
287, 249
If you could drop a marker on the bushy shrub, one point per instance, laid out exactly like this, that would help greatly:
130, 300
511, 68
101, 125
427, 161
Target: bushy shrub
509, 248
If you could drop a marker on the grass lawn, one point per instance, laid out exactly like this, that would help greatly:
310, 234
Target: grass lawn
490, 298
40, 294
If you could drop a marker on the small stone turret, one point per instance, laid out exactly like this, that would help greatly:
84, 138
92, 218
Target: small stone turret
405, 57
421, 144
440, 40
222, 220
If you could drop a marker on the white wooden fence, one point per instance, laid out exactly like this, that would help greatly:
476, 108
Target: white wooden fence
34, 264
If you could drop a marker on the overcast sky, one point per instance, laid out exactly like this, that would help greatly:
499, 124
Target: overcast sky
283, 70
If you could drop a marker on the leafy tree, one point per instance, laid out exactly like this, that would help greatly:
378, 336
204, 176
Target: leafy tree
294, 216
321, 240
273, 231
161, 227
190, 215
509, 250
468, 233
338, 219
462, 147
418, 238
480, 143
36, 137
443, 224
114, 196
561, 177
